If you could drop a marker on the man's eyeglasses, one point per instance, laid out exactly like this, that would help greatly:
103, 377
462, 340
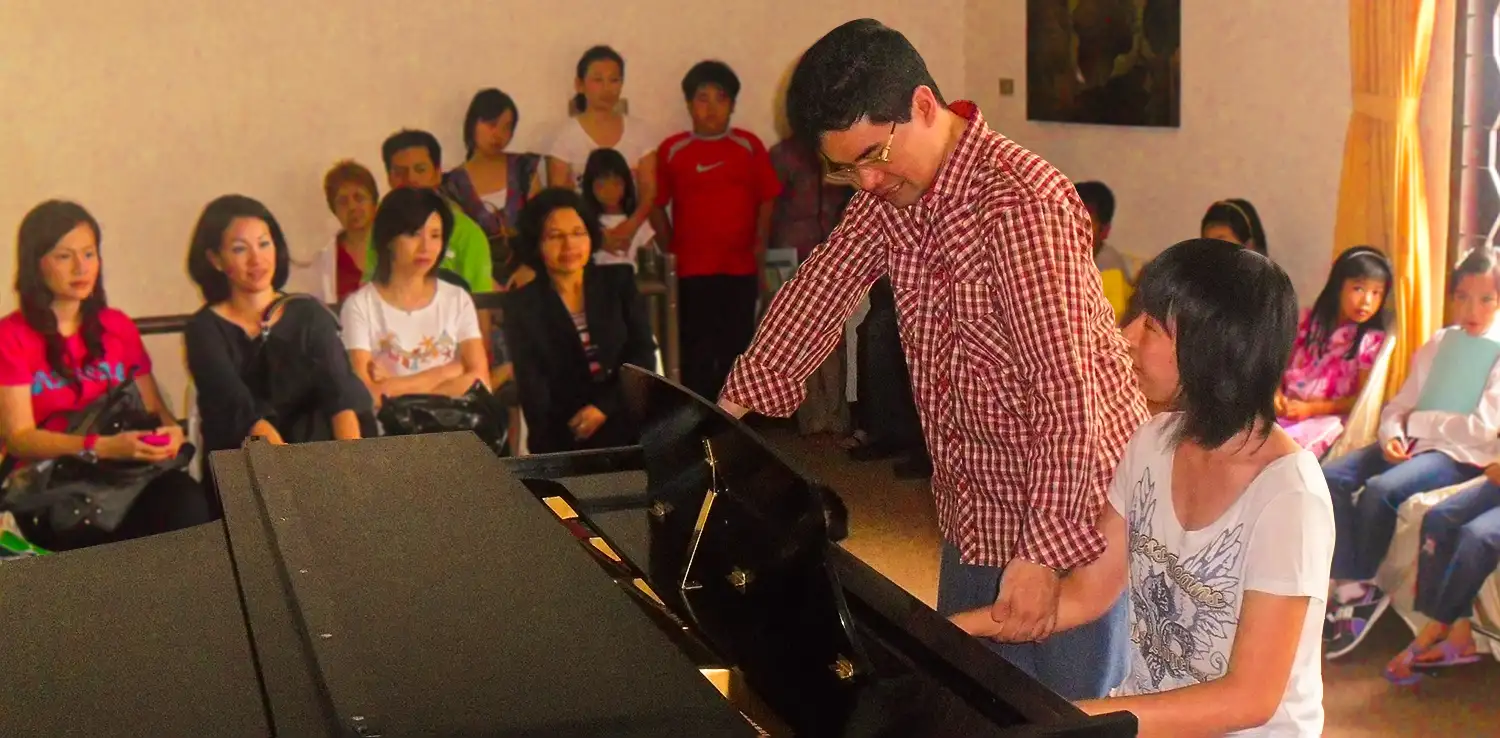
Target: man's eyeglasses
848, 174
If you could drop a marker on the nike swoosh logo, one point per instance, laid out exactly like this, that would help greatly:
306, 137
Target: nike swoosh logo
715, 165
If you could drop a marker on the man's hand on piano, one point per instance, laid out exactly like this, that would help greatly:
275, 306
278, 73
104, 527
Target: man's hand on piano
585, 422
733, 408
1027, 605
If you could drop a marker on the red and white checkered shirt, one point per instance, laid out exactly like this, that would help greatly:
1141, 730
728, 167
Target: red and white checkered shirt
1021, 378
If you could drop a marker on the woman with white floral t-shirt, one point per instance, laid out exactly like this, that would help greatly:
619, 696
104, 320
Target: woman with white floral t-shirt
407, 331
1220, 525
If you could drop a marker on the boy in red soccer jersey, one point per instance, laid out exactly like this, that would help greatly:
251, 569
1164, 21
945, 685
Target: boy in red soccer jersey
720, 185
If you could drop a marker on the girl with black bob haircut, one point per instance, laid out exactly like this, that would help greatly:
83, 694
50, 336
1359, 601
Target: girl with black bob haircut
239, 258
572, 330
64, 349
1235, 220
1219, 523
411, 331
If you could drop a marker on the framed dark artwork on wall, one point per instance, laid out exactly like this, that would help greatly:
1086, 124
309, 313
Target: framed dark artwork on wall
1111, 62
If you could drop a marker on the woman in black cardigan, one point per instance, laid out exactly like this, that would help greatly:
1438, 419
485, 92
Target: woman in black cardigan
571, 330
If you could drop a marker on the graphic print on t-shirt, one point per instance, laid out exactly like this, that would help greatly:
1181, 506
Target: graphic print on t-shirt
103, 371
1185, 610
429, 352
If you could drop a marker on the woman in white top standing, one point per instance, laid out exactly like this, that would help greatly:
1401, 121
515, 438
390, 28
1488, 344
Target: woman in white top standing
598, 124
407, 331
1219, 524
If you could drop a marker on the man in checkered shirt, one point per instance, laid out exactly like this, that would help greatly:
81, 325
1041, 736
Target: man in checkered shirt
1024, 384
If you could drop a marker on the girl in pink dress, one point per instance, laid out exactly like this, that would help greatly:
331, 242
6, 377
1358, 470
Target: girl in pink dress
1337, 343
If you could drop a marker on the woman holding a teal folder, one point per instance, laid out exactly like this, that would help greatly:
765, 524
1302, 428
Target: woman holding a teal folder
1441, 429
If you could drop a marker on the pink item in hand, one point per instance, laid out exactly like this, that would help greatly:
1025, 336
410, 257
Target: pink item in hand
156, 439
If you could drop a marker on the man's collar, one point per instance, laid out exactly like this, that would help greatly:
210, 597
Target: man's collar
953, 173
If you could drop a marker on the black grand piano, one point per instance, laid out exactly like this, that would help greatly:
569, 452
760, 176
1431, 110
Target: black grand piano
420, 586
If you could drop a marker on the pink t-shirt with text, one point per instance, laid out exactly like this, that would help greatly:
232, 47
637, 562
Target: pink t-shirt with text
23, 363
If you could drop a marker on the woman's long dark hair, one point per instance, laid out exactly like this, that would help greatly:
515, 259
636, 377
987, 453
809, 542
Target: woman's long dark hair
608, 163
40, 231
1360, 262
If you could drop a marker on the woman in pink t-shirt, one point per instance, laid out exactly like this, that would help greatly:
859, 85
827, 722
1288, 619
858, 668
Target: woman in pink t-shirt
63, 349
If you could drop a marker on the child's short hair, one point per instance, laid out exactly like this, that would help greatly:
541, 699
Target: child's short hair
403, 213
714, 73
1480, 260
608, 163
1099, 200
1234, 315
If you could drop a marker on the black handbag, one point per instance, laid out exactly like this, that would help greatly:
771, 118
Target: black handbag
69, 492
476, 410
287, 379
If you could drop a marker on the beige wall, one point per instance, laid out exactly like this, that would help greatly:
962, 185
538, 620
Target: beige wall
1265, 103
144, 111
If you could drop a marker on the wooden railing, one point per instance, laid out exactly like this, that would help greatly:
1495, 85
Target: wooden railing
658, 283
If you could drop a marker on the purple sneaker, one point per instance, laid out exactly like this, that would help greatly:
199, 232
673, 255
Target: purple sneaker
1352, 621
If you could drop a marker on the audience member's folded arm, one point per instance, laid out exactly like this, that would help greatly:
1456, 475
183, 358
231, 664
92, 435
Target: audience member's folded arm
639, 348
532, 382
223, 396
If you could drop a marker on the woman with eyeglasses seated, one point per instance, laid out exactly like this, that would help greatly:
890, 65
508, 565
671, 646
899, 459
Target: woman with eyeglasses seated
572, 329
408, 331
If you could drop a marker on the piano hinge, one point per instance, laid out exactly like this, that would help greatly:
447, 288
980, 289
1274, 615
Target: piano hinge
741, 578
843, 668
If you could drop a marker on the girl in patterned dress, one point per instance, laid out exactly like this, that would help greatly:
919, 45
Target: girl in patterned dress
1337, 343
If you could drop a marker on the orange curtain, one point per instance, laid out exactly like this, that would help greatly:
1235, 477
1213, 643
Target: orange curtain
1383, 195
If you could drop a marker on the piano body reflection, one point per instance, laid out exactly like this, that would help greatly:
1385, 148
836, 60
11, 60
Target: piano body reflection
690, 586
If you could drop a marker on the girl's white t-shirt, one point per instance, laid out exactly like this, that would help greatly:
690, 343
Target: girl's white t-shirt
642, 238
408, 342
573, 146
1186, 587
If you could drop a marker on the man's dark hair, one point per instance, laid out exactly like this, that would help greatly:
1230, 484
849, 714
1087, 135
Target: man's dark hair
208, 238
1481, 261
404, 212
411, 139
860, 69
1233, 313
714, 73
1099, 200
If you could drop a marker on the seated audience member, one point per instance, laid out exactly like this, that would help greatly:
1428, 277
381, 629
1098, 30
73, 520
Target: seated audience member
492, 185
1439, 430
1235, 221
609, 192
1337, 343
407, 331
597, 123
351, 194
720, 185
1115, 269
1460, 550
62, 350
1219, 524
414, 159
238, 257
572, 329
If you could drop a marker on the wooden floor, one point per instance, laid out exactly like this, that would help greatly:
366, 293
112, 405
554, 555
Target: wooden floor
893, 527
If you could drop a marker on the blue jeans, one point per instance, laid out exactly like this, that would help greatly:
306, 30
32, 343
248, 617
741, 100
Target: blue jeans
1364, 529
1083, 663
1460, 550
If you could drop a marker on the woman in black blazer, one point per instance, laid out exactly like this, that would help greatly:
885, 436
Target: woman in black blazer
571, 330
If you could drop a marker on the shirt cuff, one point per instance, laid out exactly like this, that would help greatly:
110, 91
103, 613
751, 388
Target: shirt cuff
763, 390
1059, 542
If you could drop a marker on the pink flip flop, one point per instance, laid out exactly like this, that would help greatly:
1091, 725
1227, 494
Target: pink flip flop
1408, 658
1451, 657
